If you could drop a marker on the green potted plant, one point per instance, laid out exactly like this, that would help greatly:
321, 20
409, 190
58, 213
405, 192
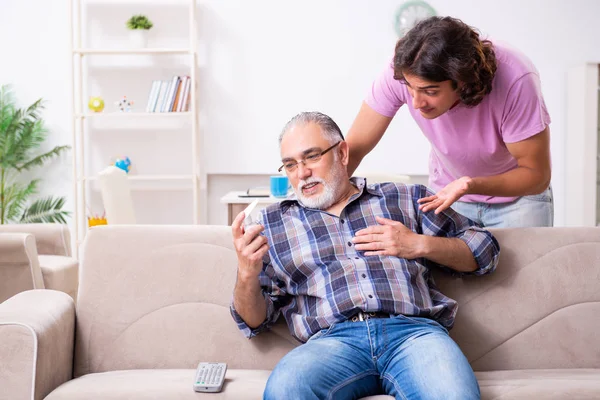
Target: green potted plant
138, 26
22, 132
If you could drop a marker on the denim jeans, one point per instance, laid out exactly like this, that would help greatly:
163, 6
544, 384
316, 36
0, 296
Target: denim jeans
408, 358
526, 211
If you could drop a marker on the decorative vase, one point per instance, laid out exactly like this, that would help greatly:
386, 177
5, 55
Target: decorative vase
138, 38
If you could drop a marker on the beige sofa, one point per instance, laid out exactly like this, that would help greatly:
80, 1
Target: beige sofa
153, 302
36, 256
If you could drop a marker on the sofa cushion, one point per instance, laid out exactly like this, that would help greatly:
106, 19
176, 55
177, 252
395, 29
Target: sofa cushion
176, 384
60, 273
540, 297
172, 384
158, 297
580, 384
36, 343
19, 265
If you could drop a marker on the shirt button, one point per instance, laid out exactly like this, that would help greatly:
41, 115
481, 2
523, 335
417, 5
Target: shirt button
349, 244
364, 275
370, 296
342, 221
357, 258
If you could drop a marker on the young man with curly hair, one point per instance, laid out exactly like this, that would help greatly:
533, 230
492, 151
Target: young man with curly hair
481, 107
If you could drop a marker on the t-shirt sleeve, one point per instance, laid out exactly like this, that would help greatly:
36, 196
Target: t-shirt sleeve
386, 94
450, 224
525, 112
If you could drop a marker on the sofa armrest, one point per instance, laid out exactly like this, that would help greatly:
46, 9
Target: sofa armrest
37, 330
19, 265
51, 239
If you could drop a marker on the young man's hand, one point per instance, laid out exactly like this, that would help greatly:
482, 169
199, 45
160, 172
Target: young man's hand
443, 199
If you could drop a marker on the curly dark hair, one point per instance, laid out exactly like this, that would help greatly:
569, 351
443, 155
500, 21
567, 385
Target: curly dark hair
444, 48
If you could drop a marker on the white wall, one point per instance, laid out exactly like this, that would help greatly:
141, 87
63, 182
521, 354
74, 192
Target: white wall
34, 59
263, 61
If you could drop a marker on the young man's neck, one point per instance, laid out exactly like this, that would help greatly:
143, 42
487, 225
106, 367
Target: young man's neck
455, 104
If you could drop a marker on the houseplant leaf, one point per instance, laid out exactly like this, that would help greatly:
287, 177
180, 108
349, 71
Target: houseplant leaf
47, 209
22, 133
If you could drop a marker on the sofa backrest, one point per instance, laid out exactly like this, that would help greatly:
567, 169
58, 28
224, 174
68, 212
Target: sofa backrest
19, 264
539, 309
158, 297
50, 238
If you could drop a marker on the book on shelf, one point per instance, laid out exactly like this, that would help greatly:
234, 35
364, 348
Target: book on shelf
169, 96
153, 96
183, 96
177, 95
168, 104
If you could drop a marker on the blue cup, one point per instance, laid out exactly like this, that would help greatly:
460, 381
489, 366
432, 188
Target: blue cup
279, 185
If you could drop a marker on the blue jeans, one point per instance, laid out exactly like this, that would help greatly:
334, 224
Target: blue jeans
526, 211
405, 357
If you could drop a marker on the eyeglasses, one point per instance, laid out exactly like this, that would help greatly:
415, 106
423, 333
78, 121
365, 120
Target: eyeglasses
311, 158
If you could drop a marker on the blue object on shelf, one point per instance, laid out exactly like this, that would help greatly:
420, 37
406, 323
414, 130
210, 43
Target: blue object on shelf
124, 164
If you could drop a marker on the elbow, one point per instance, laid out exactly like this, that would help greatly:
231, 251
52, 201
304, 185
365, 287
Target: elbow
543, 182
473, 265
547, 178
486, 269
490, 268
489, 260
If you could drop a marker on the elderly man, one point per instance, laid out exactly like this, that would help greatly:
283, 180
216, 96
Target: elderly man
348, 265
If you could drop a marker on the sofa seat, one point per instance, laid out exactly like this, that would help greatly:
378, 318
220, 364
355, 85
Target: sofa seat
155, 384
173, 384
580, 384
241, 384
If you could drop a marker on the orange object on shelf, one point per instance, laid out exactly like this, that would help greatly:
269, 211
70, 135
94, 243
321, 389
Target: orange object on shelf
94, 221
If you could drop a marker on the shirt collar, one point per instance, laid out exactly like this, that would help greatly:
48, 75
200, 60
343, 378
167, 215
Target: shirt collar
360, 183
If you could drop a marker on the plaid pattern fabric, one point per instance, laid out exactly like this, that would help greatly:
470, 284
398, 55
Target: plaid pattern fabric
315, 277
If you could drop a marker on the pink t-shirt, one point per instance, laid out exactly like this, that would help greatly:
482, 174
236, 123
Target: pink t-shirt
471, 141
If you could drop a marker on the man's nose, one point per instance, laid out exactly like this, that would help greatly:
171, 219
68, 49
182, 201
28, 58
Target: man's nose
418, 101
303, 170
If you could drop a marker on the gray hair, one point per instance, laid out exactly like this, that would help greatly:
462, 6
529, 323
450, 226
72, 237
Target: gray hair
331, 131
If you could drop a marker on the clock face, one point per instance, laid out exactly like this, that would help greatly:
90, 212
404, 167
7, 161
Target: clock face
410, 13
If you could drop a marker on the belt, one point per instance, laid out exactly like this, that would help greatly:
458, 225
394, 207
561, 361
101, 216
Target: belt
363, 316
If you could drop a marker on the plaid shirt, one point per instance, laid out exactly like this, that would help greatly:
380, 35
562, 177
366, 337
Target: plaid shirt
314, 276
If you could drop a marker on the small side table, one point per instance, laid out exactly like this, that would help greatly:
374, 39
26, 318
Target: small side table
237, 204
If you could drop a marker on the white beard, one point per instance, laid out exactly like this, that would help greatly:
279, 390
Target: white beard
331, 190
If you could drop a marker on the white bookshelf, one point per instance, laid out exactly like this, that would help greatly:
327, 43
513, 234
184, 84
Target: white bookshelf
108, 115
131, 51
84, 178
149, 178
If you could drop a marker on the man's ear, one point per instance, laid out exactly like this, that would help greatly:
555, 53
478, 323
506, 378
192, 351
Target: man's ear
344, 152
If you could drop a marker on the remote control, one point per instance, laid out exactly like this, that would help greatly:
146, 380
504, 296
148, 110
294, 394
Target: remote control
248, 212
210, 377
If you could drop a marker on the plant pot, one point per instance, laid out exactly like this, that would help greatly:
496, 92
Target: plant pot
138, 38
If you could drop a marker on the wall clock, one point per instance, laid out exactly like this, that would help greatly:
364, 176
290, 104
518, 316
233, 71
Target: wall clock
411, 12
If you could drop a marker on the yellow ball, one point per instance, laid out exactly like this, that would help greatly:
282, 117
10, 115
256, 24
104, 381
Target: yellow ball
96, 104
